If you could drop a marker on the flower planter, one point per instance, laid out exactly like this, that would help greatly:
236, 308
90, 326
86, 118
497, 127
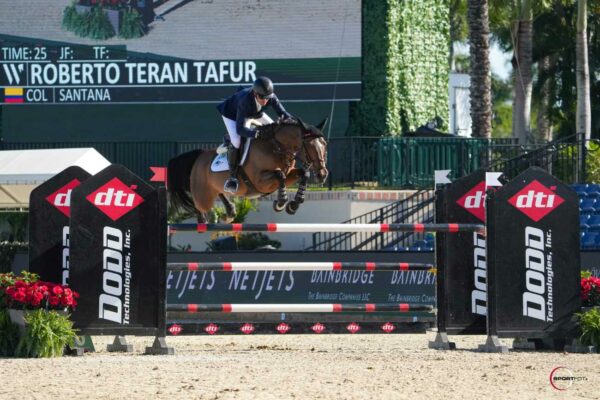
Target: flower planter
17, 317
114, 16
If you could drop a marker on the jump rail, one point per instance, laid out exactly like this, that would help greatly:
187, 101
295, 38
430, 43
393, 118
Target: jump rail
291, 308
300, 266
310, 228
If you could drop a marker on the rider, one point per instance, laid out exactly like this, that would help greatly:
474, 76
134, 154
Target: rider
243, 105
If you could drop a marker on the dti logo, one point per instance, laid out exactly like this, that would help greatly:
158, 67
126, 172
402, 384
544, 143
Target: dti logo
61, 199
175, 329
115, 199
536, 200
474, 201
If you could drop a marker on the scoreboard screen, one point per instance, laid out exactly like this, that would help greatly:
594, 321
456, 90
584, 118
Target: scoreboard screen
188, 51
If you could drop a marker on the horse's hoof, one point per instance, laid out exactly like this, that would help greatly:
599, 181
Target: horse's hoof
277, 206
292, 207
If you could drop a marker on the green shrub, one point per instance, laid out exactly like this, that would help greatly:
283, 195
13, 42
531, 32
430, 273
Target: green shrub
99, 25
70, 18
132, 25
589, 323
592, 162
93, 24
47, 333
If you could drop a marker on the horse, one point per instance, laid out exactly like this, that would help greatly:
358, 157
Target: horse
270, 165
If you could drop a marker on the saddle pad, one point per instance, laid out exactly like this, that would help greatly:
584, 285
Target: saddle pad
220, 164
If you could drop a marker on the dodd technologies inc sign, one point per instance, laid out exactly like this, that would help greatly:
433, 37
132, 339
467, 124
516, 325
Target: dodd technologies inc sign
536, 275
49, 212
108, 243
462, 288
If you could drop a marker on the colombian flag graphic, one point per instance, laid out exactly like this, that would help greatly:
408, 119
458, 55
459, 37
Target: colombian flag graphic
13, 95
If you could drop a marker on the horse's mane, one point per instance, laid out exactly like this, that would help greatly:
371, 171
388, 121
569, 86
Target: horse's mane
307, 129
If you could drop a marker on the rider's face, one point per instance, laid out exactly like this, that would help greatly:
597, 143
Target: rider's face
262, 102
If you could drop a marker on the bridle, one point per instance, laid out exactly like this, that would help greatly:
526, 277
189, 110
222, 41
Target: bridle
305, 158
289, 156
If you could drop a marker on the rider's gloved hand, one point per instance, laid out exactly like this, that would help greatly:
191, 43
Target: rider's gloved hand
261, 134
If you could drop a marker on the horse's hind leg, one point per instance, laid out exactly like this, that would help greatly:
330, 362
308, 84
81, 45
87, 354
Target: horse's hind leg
282, 197
201, 217
229, 206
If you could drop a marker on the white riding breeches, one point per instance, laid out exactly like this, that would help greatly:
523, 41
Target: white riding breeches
232, 130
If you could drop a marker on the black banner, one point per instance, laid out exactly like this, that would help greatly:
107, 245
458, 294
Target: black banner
118, 245
37, 71
49, 212
533, 256
309, 287
461, 258
210, 94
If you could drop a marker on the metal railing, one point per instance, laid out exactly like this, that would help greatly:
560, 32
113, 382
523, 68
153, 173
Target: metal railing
398, 162
565, 158
410, 162
417, 208
350, 160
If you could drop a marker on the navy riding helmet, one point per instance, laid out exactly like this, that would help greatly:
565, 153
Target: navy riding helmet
263, 87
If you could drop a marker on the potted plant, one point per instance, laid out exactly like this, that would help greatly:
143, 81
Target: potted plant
40, 313
103, 19
589, 319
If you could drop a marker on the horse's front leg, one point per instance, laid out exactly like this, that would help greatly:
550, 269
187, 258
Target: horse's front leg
282, 197
229, 207
293, 205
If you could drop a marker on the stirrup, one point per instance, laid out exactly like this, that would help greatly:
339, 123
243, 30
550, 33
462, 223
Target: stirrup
231, 185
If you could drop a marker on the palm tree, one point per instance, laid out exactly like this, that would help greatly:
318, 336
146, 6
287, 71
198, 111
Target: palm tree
584, 116
522, 76
481, 83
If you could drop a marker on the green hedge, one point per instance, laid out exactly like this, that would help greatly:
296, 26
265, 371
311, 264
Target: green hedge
405, 66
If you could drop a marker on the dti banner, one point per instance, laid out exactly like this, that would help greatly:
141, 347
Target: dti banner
118, 245
49, 213
534, 265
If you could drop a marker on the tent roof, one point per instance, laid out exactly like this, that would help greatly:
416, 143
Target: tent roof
22, 170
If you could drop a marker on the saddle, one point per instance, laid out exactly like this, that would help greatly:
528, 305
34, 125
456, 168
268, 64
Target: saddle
219, 162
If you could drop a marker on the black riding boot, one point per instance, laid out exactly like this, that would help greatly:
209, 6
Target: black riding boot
233, 158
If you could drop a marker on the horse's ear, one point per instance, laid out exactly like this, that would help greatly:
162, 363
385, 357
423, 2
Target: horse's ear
322, 124
303, 125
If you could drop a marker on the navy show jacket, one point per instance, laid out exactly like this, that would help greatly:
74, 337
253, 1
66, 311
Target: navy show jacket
242, 105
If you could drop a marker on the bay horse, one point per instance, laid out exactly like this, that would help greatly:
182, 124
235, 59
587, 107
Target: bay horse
269, 166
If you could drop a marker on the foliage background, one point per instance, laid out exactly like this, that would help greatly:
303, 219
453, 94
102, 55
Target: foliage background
405, 66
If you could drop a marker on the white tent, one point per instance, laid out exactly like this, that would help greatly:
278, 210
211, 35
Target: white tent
22, 170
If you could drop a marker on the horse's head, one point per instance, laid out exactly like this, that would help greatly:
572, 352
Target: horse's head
296, 139
314, 154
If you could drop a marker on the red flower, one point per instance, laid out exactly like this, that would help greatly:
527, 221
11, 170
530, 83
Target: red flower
590, 291
19, 296
30, 293
66, 301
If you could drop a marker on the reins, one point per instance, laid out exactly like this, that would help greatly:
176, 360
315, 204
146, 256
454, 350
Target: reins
289, 156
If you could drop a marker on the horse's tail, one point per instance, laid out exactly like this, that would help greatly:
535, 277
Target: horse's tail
179, 170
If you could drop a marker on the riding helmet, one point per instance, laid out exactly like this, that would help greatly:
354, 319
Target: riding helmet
263, 87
